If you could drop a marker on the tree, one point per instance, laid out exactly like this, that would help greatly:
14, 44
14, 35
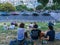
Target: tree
7, 7
58, 1
47, 8
23, 7
39, 7
1, 7
55, 6
44, 2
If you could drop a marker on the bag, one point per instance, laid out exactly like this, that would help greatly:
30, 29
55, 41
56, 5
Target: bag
34, 34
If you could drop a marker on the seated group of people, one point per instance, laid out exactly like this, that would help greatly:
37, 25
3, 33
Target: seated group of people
35, 34
12, 26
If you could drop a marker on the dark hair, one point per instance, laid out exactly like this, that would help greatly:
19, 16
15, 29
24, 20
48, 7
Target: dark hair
34, 22
50, 27
31, 22
22, 25
35, 26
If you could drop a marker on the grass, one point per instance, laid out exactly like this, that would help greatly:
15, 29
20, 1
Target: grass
7, 35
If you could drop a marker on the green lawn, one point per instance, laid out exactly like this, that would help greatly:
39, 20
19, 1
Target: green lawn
7, 35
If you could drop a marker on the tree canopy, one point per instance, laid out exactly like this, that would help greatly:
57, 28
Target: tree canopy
39, 7
23, 7
7, 7
44, 2
58, 1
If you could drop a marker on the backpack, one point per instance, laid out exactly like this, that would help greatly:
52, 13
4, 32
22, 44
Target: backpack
34, 34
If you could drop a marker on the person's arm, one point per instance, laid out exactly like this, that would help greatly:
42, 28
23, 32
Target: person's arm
26, 35
46, 38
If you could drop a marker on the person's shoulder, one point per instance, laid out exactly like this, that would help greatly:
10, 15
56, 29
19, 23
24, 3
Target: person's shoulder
18, 28
49, 31
53, 30
38, 30
32, 30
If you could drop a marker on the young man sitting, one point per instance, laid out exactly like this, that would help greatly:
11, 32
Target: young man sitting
50, 35
35, 33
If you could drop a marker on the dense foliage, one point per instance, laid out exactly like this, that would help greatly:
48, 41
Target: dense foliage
56, 6
39, 7
56, 1
7, 7
44, 2
23, 7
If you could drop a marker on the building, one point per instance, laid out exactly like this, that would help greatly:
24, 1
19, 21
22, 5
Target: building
28, 3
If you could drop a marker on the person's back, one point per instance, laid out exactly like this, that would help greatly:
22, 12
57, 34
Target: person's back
12, 27
20, 36
20, 33
51, 35
35, 34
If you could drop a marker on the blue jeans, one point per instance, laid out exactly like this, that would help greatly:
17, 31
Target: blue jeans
15, 42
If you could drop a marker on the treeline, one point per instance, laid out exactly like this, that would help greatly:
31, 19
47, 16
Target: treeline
55, 6
9, 7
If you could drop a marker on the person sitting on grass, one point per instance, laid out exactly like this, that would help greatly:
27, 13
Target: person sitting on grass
50, 35
31, 25
14, 23
35, 33
5, 27
20, 35
12, 26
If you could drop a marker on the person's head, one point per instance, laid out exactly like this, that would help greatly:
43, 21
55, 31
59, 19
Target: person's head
35, 26
34, 22
50, 27
4, 23
31, 23
21, 25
